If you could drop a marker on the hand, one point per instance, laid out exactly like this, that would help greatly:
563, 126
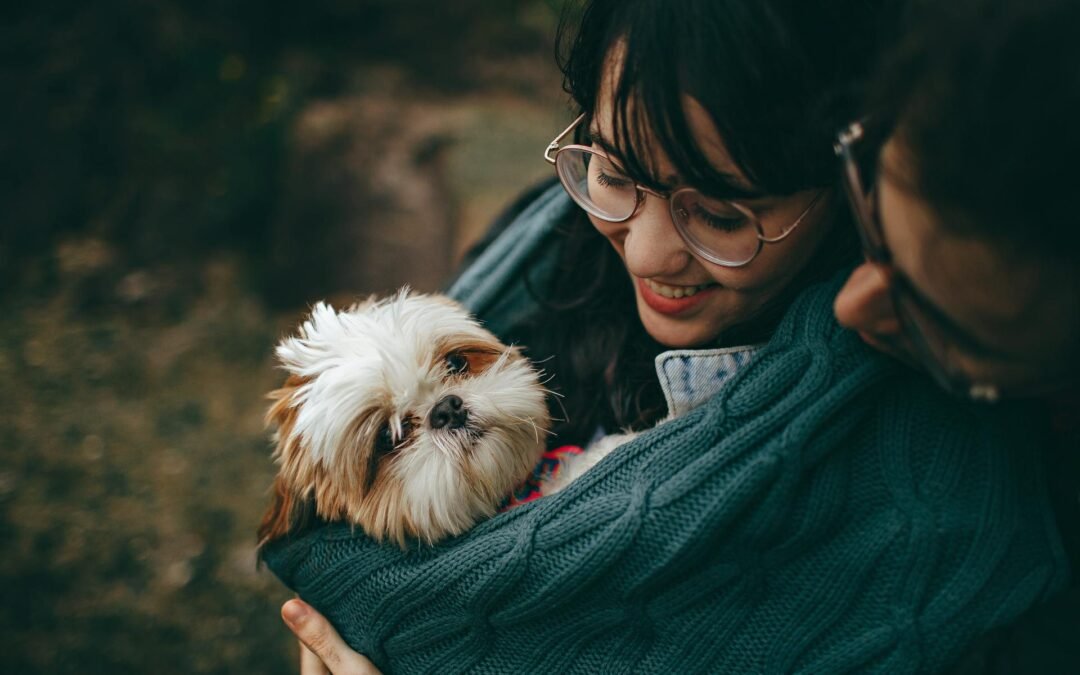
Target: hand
322, 651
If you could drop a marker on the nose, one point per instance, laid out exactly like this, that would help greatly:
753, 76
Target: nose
652, 246
449, 412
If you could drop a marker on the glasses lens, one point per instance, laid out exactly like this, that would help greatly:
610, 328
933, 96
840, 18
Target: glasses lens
721, 231
596, 184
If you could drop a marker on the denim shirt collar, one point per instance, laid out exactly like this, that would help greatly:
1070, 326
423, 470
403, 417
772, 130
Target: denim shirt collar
689, 377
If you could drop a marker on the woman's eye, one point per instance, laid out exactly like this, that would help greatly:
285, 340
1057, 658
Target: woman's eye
718, 222
457, 363
611, 181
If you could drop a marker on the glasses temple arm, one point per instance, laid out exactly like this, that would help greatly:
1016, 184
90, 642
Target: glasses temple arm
784, 235
549, 152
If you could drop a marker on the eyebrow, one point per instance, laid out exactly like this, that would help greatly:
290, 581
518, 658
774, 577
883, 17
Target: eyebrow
734, 183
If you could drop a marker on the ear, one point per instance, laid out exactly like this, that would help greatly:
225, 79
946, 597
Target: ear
293, 505
282, 411
289, 513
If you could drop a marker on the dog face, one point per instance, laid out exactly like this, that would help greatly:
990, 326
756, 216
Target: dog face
403, 416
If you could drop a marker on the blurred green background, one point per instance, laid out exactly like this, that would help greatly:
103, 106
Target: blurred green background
179, 181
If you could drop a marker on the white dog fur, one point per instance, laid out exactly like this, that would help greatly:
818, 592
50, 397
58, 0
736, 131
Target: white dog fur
403, 416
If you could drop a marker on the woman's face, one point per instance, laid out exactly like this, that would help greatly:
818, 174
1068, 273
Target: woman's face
1014, 318
683, 300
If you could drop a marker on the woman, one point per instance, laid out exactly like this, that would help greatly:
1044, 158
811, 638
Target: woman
811, 506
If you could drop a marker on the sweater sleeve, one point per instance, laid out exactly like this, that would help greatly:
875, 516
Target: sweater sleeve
826, 512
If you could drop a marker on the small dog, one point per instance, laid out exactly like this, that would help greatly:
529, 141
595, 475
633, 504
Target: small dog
403, 416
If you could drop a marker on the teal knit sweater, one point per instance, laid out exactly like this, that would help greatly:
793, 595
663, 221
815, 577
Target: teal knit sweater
826, 512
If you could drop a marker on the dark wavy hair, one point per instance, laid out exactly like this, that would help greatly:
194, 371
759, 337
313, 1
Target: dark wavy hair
984, 99
778, 78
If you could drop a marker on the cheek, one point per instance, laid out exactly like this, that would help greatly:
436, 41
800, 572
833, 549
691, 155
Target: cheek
615, 233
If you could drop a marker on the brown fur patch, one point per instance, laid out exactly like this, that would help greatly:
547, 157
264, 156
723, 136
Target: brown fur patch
289, 510
288, 513
480, 354
361, 490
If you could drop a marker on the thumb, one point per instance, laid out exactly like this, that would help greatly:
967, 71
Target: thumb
324, 642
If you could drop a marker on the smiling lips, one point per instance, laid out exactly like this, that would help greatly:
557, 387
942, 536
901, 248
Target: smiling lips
672, 300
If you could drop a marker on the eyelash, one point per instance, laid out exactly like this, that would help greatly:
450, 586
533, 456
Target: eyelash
610, 181
713, 221
718, 223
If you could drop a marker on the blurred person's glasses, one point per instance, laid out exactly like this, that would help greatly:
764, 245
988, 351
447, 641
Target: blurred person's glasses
720, 231
946, 351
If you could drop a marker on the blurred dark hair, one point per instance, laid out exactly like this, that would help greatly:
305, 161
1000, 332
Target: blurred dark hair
984, 99
778, 78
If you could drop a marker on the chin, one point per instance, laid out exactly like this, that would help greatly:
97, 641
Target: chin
402, 416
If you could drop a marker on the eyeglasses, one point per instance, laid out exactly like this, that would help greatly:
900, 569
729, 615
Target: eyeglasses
938, 345
720, 231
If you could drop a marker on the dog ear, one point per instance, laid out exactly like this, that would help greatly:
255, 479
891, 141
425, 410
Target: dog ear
282, 412
289, 513
292, 507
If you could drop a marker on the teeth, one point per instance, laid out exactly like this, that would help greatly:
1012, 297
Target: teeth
674, 291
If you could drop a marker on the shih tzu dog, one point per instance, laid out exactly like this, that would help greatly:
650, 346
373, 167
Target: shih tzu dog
403, 416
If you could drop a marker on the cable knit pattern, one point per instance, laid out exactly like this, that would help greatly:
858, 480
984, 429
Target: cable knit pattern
826, 512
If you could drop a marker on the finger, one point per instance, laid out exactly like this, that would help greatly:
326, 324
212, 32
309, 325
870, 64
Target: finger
311, 664
323, 641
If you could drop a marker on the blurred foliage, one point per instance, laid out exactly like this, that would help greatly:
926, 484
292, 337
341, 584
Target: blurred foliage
148, 149
134, 469
161, 125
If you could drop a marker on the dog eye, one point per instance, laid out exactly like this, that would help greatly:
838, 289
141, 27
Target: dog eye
384, 441
457, 363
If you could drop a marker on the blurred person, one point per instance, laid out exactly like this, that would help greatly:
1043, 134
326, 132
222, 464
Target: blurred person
968, 214
809, 504
968, 211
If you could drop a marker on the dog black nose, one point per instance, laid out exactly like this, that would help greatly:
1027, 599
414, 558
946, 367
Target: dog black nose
449, 412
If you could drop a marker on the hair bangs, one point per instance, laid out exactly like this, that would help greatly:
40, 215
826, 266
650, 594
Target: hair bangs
650, 118
776, 78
